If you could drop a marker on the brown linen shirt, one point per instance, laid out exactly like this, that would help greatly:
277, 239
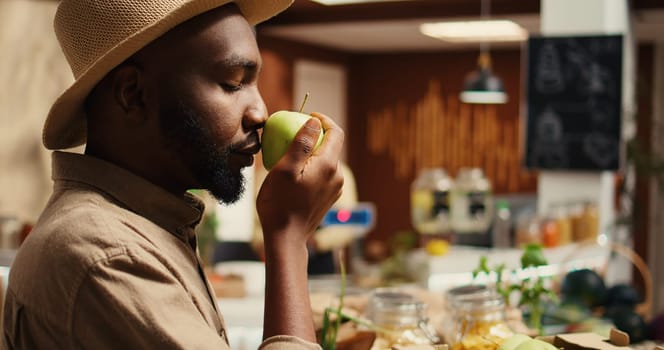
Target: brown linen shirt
112, 264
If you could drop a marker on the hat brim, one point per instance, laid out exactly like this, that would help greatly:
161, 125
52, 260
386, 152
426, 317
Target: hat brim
66, 126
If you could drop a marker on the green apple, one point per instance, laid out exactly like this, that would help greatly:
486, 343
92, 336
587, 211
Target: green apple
512, 342
278, 133
535, 344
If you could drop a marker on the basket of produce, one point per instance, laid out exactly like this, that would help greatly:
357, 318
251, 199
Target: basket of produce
585, 298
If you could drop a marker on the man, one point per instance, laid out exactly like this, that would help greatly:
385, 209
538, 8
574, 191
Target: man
166, 98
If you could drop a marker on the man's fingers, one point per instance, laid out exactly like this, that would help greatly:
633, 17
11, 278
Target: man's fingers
333, 140
304, 142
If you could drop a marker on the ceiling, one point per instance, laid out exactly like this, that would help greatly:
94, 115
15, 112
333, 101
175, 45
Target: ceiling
394, 26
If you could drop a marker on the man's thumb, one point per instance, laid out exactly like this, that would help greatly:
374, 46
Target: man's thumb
305, 141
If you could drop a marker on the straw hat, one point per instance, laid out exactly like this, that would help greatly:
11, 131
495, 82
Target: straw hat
97, 35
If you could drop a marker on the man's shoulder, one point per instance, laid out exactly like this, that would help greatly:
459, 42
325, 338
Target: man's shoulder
76, 230
79, 217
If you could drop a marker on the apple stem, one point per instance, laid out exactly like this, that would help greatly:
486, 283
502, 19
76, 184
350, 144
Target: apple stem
304, 102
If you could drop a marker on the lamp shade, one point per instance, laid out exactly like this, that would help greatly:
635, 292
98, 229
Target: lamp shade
481, 86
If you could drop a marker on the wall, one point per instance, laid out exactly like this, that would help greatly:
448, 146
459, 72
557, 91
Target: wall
279, 57
33, 72
404, 115
326, 85
656, 219
641, 193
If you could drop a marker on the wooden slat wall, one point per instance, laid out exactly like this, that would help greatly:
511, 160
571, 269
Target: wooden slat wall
405, 115
438, 131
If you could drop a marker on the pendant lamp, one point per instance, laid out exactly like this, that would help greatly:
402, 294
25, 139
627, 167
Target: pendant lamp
482, 86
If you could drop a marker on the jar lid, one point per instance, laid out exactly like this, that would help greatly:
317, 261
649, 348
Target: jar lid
433, 177
487, 303
475, 297
433, 172
471, 173
392, 307
465, 292
469, 289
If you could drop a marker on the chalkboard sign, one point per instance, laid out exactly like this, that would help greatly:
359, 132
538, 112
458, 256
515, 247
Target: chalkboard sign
574, 108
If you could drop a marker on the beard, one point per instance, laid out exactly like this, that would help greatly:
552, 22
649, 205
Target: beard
188, 138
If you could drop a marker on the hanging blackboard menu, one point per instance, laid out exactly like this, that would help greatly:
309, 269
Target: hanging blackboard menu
574, 102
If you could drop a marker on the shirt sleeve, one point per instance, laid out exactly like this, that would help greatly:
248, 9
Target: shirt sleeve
284, 342
126, 302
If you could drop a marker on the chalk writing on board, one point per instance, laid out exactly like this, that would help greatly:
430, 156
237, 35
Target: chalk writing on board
549, 76
549, 127
574, 90
552, 154
600, 148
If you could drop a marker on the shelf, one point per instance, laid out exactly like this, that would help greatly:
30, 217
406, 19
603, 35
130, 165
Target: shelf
455, 268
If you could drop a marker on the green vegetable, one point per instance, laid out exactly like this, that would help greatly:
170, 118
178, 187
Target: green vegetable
628, 321
622, 294
584, 285
533, 255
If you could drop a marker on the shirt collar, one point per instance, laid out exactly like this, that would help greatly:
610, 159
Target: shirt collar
177, 215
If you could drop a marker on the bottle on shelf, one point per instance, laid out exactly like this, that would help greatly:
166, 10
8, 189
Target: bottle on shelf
527, 230
560, 214
430, 203
472, 207
585, 222
550, 232
501, 232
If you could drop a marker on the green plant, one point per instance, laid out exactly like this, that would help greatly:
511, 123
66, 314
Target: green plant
533, 292
330, 330
206, 232
207, 238
394, 270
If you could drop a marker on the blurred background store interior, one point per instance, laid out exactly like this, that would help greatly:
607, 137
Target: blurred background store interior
395, 91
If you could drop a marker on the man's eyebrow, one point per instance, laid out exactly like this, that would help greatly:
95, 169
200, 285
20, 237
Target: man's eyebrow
236, 61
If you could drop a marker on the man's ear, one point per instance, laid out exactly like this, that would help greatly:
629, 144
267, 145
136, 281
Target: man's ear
128, 88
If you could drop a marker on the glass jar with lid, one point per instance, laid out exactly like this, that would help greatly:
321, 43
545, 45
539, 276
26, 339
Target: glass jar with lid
479, 318
472, 202
449, 322
430, 203
561, 216
528, 230
400, 319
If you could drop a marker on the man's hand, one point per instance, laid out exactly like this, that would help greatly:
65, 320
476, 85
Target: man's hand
296, 194
303, 185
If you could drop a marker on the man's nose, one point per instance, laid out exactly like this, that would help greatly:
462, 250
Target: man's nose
256, 113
